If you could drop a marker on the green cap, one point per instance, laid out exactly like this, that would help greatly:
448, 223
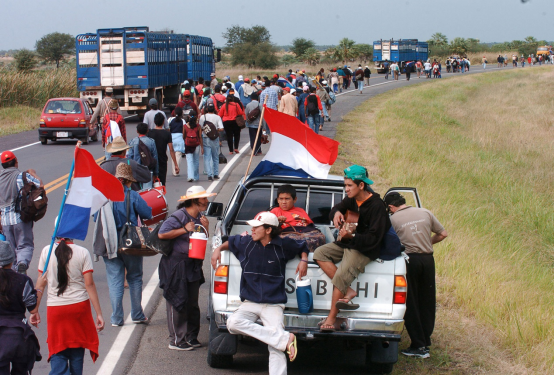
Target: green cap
356, 172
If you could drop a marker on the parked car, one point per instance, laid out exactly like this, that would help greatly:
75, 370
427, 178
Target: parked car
377, 324
64, 118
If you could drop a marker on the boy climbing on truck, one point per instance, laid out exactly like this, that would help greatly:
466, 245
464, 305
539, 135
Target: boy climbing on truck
353, 250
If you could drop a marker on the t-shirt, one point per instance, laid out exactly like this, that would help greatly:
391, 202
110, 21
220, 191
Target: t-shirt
213, 118
414, 226
149, 118
296, 217
162, 138
427, 66
79, 264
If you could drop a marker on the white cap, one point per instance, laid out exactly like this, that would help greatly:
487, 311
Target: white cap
262, 218
241, 78
292, 91
324, 82
304, 84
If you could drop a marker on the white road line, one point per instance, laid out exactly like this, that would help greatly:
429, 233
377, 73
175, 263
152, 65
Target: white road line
29, 145
227, 167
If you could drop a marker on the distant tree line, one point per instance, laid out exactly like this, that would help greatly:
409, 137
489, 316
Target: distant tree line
52, 48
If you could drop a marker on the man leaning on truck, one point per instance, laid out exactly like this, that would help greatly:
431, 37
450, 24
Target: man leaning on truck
355, 250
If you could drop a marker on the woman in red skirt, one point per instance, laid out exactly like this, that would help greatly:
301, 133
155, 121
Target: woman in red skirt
71, 290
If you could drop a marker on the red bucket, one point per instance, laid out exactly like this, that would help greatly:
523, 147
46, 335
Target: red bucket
197, 244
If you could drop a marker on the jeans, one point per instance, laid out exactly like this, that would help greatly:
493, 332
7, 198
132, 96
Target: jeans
335, 88
484, 66
313, 122
211, 156
361, 85
115, 272
148, 185
67, 362
193, 163
252, 132
20, 237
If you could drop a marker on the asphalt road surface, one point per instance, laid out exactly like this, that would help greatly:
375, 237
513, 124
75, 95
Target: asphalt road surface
138, 349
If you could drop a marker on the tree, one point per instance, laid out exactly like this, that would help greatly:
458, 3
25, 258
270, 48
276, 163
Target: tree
300, 46
458, 46
311, 56
53, 47
438, 40
344, 51
25, 60
364, 51
251, 47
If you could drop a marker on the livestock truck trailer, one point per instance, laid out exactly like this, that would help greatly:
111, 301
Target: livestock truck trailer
401, 51
139, 64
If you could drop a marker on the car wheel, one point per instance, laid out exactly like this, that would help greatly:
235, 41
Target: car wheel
43, 140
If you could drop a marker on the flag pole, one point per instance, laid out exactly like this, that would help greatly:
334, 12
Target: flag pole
256, 141
66, 191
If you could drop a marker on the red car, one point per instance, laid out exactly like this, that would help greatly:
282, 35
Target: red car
64, 118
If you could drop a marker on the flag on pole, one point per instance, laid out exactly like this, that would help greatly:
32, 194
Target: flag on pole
90, 189
295, 149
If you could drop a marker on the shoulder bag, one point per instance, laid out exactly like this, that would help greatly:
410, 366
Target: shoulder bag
154, 242
132, 239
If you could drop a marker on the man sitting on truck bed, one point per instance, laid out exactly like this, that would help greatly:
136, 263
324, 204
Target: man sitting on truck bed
354, 250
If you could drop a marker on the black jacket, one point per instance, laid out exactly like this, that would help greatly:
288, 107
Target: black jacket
367, 72
373, 224
140, 172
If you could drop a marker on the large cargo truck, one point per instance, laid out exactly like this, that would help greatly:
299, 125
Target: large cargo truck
400, 51
139, 65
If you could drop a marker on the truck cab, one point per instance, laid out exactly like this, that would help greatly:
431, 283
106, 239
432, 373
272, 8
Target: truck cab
377, 324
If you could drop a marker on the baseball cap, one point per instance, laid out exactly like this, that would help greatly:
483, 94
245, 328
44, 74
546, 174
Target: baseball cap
306, 88
357, 172
292, 91
213, 74
246, 79
186, 93
287, 89
262, 218
109, 89
226, 78
7, 156
241, 78
153, 101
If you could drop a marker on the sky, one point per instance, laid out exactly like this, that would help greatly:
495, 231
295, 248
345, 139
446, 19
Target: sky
323, 21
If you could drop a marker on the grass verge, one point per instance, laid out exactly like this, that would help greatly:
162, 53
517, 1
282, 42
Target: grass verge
479, 150
18, 119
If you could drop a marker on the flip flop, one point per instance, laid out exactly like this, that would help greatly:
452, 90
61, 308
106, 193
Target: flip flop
320, 323
327, 328
293, 344
346, 304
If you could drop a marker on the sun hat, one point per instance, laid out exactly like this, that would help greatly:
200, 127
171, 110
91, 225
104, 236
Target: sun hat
7, 156
113, 104
124, 170
7, 255
262, 218
194, 192
118, 144
357, 172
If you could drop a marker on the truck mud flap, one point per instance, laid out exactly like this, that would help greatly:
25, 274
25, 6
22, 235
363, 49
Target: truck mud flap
384, 353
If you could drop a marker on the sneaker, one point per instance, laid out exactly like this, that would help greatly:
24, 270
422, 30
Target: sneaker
194, 343
181, 346
216, 177
191, 180
210, 178
329, 119
143, 321
117, 325
416, 352
22, 268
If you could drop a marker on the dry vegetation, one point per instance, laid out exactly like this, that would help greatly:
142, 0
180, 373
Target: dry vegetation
480, 151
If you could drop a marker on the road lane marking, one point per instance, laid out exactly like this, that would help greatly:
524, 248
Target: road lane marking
53, 185
19, 148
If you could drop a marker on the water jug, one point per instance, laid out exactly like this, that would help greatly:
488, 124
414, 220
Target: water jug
2, 237
304, 296
197, 244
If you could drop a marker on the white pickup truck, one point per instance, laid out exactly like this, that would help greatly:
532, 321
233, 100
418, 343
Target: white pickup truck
378, 323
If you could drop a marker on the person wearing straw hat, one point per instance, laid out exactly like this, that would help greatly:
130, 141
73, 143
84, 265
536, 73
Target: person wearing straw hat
181, 276
117, 149
113, 125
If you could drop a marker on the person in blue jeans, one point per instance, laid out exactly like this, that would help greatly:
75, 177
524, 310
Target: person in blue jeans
116, 267
211, 146
313, 108
193, 138
301, 99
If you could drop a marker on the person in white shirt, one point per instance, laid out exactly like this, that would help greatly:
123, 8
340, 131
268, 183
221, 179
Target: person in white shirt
211, 146
427, 68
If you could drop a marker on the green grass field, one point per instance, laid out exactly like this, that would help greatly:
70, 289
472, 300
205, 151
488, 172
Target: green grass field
479, 150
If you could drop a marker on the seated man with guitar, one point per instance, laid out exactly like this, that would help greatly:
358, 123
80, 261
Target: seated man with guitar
357, 244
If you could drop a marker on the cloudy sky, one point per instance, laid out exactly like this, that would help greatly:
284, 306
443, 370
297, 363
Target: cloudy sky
323, 21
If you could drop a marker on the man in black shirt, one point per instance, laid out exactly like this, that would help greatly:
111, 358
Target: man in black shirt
163, 139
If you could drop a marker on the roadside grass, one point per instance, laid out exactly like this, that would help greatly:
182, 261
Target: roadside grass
18, 119
480, 151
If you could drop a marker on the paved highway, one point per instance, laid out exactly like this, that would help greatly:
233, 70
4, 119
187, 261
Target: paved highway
143, 349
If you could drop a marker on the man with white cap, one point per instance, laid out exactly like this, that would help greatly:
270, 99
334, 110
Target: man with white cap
263, 257
239, 83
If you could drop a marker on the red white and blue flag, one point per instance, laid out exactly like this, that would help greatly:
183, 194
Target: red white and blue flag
91, 188
295, 149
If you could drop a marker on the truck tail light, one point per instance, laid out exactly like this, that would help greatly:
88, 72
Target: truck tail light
400, 289
221, 279
42, 124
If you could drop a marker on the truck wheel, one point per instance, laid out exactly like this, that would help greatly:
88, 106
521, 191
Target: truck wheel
219, 361
43, 140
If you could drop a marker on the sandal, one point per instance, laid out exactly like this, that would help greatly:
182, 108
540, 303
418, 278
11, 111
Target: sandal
320, 127
327, 328
346, 304
292, 344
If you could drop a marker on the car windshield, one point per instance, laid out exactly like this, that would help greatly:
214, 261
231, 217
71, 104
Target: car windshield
63, 106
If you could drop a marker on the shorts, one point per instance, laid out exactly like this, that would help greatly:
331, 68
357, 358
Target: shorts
352, 262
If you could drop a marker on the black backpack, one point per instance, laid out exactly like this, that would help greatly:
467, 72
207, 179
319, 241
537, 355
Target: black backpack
312, 105
209, 129
32, 201
146, 157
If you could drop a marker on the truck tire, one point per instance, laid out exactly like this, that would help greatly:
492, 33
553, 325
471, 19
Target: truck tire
218, 360
43, 140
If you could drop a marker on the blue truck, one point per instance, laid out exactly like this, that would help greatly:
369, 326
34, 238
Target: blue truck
400, 51
139, 64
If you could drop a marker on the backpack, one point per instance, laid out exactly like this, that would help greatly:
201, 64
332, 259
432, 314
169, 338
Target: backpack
312, 107
191, 137
209, 129
332, 98
218, 104
186, 109
391, 248
146, 157
254, 114
32, 201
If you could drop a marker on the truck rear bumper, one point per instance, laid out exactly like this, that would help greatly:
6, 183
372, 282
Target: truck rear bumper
306, 326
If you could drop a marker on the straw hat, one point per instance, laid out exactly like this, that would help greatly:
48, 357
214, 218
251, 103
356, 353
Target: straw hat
118, 144
125, 171
194, 192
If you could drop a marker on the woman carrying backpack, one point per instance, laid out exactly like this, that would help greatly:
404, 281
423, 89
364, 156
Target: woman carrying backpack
228, 113
313, 108
176, 129
192, 135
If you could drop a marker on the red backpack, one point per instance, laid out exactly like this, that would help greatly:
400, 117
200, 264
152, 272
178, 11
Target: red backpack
191, 136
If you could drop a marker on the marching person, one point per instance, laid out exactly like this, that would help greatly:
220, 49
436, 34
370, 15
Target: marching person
109, 130
102, 107
253, 123
355, 250
359, 77
228, 113
117, 149
211, 146
19, 347
413, 226
176, 129
367, 75
18, 233
253, 252
164, 141
181, 276
288, 103
323, 93
312, 111
135, 153
192, 133
151, 115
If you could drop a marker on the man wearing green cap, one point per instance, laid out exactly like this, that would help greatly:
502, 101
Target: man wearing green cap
355, 249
